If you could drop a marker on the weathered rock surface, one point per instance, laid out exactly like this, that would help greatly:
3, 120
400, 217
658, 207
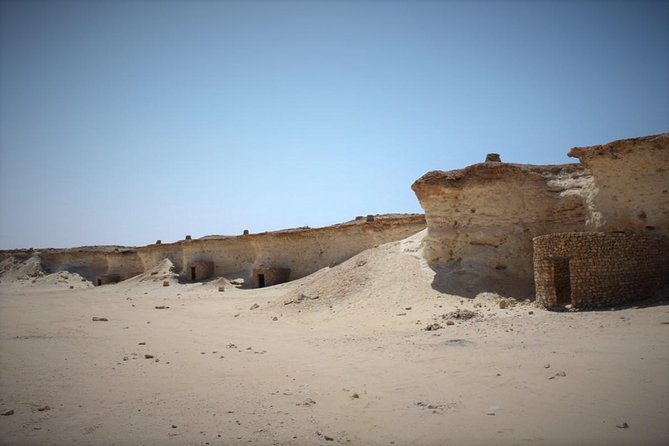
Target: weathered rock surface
481, 221
302, 250
630, 191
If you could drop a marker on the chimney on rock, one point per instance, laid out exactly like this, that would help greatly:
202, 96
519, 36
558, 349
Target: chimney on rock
493, 157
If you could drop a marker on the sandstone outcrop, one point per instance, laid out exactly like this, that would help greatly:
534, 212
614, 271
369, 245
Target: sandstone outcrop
302, 250
481, 221
630, 191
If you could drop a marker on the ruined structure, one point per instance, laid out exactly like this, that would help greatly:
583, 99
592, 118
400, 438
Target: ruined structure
106, 279
263, 277
506, 227
594, 269
625, 257
198, 270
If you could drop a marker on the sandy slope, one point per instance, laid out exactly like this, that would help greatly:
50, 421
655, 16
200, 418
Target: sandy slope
228, 374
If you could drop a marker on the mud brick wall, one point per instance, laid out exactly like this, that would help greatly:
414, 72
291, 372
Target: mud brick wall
604, 269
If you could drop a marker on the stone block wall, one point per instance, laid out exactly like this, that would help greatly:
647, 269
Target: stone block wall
597, 269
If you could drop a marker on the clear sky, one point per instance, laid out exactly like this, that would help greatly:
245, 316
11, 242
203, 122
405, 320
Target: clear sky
123, 122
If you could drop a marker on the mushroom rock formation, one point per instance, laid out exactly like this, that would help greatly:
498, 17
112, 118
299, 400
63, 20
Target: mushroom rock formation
481, 221
630, 188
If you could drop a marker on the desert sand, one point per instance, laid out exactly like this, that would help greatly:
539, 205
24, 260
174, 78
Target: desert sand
338, 357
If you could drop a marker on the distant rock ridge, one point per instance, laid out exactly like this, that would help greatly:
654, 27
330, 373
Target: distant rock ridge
302, 250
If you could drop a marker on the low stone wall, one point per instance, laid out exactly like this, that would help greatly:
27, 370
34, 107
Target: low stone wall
597, 269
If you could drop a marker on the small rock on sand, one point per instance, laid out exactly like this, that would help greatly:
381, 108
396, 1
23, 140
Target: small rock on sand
622, 426
7, 413
166, 283
100, 319
254, 306
147, 356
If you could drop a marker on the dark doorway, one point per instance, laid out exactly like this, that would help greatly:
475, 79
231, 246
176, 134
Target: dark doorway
99, 282
561, 280
192, 273
261, 280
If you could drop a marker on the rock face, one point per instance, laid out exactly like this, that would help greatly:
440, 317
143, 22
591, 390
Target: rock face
600, 228
302, 251
481, 221
630, 191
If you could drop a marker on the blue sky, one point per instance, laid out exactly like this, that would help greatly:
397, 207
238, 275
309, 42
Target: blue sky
124, 122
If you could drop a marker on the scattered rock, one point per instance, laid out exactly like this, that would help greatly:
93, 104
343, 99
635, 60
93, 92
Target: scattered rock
460, 314
160, 307
141, 343
231, 346
328, 438
355, 396
450, 322
407, 308
147, 356
433, 327
275, 318
174, 426
221, 289
530, 312
100, 319
7, 413
254, 306
623, 425
547, 366
43, 408
166, 283
308, 403
507, 303
560, 374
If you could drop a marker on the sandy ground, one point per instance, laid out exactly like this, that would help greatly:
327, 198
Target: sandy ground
348, 362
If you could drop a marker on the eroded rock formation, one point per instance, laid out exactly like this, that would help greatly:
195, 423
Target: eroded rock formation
630, 191
481, 221
302, 250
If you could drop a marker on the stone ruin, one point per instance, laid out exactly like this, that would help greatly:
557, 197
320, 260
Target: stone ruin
267, 276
